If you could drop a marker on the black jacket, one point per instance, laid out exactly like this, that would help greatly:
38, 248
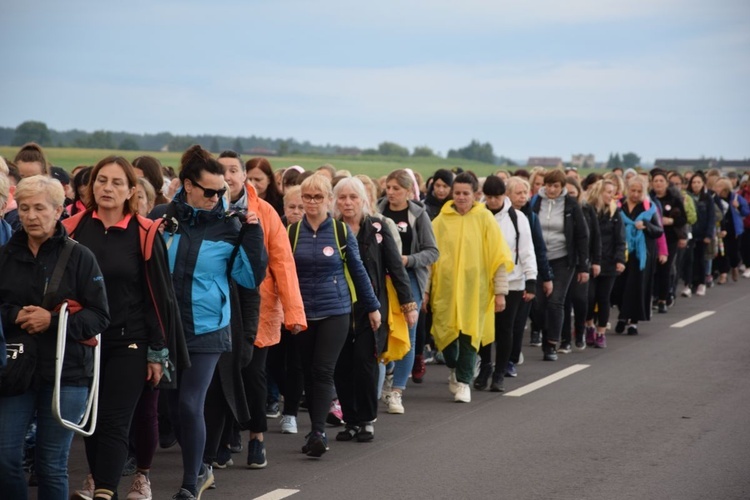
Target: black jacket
612, 231
23, 279
576, 233
672, 206
380, 255
595, 240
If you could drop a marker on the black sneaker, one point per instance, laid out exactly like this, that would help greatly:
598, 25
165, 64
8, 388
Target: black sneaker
536, 338
183, 494
565, 348
235, 442
366, 432
223, 458
256, 454
662, 307
620, 327
550, 352
317, 444
670, 300
498, 383
205, 480
480, 383
272, 410
632, 330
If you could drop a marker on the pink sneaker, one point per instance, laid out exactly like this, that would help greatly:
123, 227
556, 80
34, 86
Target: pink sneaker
600, 341
335, 415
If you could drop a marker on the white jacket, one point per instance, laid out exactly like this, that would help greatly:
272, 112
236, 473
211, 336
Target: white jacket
525, 262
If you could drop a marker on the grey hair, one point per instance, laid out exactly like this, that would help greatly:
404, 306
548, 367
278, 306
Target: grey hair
36, 184
358, 187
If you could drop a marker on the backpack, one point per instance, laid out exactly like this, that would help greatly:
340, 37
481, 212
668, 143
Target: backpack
514, 219
340, 229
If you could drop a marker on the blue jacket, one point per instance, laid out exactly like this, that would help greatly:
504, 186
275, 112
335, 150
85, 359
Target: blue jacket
737, 215
199, 254
320, 270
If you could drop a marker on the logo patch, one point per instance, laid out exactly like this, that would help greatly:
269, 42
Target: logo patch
379, 238
377, 226
402, 226
328, 251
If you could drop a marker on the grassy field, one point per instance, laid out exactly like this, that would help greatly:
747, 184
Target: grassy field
374, 166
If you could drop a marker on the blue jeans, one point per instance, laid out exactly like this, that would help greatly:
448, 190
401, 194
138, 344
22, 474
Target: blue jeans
52, 440
402, 368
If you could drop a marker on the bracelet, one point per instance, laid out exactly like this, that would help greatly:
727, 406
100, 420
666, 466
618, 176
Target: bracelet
162, 357
408, 307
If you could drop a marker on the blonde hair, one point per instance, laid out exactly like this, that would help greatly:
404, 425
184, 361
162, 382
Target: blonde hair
371, 188
514, 181
318, 182
722, 184
618, 181
640, 180
594, 194
291, 192
4, 191
148, 188
36, 184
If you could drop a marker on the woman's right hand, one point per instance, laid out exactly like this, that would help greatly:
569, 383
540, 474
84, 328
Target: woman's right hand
639, 224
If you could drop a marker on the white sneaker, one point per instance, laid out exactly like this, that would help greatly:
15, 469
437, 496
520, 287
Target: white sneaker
701, 290
87, 490
520, 359
140, 489
686, 292
288, 424
463, 393
746, 274
385, 392
452, 382
395, 405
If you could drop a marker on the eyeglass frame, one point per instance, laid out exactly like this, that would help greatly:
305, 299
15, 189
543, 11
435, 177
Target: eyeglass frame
210, 193
318, 198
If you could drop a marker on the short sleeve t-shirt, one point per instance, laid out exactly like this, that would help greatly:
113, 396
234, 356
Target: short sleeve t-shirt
401, 218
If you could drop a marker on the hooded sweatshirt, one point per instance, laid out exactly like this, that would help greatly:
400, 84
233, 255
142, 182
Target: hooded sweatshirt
552, 220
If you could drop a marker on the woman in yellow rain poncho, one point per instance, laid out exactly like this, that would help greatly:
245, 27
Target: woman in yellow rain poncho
468, 282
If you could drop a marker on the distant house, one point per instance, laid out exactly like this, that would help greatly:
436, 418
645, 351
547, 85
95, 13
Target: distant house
583, 161
261, 152
545, 161
164, 148
733, 165
684, 164
348, 151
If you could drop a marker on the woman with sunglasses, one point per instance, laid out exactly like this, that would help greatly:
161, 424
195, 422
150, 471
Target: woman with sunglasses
207, 249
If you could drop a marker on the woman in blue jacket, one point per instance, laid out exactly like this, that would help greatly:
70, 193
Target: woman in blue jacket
326, 260
207, 248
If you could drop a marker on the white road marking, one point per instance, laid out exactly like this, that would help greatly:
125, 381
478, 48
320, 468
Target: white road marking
693, 319
521, 391
277, 494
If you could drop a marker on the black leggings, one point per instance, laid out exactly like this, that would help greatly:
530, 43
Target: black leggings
285, 366
319, 347
519, 325
600, 289
503, 334
122, 374
663, 275
577, 300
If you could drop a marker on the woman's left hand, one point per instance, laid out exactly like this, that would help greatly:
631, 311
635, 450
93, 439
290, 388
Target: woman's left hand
374, 319
595, 270
154, 371
34, 319
663, 259
499, 303
411, 317
251, 218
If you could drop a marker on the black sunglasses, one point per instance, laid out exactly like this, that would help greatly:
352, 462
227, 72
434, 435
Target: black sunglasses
210, 193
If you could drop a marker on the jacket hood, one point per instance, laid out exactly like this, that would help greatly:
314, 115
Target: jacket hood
415, 208
450, 208
187, 212
543, 193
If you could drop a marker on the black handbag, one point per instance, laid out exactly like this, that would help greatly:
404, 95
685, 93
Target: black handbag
18, 375
21, 352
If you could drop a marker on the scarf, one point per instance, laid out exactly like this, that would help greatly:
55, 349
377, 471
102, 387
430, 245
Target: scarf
635, 238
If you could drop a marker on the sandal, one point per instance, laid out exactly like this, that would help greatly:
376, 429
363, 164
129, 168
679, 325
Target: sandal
348, 434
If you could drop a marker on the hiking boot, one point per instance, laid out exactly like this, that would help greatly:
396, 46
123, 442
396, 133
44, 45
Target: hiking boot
256, 454
498, 383
480, 383
289, 424
419, 369
140, 489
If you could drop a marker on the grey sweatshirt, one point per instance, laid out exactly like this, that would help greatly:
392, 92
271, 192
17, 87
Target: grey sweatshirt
552, 220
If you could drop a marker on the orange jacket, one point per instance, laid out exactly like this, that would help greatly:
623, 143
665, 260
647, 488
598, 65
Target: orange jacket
280, 298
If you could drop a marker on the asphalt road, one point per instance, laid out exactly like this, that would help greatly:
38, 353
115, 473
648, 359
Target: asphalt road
664, 415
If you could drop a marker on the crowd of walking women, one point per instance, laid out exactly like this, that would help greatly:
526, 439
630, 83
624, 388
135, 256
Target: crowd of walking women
211, 291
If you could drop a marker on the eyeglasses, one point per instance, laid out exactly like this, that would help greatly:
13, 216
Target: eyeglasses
318, 198
210, 193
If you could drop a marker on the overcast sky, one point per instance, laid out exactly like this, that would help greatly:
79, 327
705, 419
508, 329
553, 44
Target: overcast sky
662, 78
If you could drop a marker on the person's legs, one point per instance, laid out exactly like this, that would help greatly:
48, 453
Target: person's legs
293, 379
253, 375
53, 440
16, 413
122, 374
519, 325
504, 333
554, 304
146, 426
187, 405
466, 360
344, 380
320, 346
698, 274
403, 367
215, 411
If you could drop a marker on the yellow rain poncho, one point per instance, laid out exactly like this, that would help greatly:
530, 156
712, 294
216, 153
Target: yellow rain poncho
462, 294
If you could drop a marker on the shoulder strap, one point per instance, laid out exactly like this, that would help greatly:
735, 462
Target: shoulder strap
293, 231
57, 274
341, 229
514, 219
